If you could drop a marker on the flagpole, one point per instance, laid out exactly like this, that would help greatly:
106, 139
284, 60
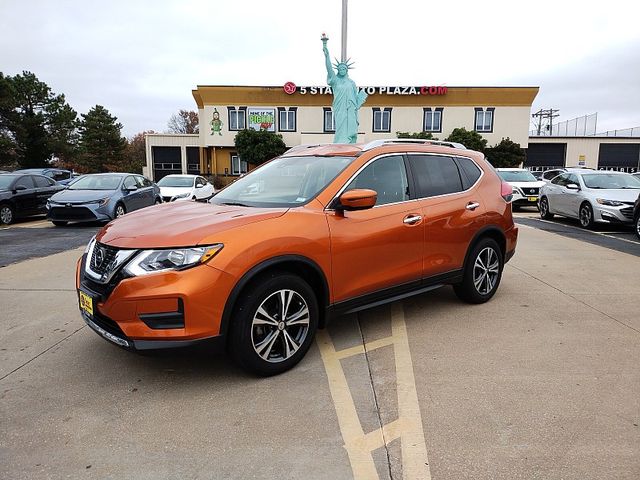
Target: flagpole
344, 31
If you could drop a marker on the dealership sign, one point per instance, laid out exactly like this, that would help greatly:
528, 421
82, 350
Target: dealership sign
260, 118
290, 88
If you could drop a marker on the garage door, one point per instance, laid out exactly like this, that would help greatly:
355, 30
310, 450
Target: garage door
624, 157
545, 156
166, 161
193, 160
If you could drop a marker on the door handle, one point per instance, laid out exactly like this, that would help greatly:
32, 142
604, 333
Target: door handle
412, 219
472, 205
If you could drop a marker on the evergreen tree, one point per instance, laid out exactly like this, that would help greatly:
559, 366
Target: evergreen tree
258, 146
470, 139
101, 144
506, 154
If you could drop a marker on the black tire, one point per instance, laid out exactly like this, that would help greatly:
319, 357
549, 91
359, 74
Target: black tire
158, 201
476, 287
271, 334
7, 214
636, 225
119, 208
545, 214
59, 223
585, 216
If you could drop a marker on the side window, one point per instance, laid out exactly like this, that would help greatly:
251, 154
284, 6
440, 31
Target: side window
573, 179
550, 174
142, 182
435, 175
470, 172
200, 181
130, 182
61, 175
387, 176
561, 179
26, 182
42, 182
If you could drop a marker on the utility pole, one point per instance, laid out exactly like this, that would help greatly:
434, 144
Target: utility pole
547, 115
344, 31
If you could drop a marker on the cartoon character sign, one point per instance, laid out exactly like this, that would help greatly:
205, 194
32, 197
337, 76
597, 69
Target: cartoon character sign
216, 123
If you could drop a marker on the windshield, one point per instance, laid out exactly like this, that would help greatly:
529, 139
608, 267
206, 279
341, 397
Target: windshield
283, 182
176, 182
5, 180
96, 182
517, 176
611, 181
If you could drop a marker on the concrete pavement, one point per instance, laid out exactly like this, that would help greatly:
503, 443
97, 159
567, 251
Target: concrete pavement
541, 382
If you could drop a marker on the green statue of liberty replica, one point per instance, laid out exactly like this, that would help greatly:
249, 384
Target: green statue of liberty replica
347, 100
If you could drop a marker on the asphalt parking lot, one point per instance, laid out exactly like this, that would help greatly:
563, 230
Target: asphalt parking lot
542, 382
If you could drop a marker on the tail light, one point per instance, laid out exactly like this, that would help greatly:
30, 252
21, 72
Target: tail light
506, 191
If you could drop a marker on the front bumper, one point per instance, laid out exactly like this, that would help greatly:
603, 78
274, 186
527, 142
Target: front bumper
88, 212
523, 201
157, 311
609, 214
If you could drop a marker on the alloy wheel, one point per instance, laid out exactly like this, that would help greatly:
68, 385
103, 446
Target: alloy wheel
638, 226
585, 216
544, 207
6, 215
280, 326
120, 211
486, 270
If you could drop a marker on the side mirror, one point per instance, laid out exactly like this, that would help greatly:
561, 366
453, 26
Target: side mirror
19, 188
132, 188
572, 186
199, 185
358, 199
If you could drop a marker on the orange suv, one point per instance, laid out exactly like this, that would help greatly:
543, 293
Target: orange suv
320, 231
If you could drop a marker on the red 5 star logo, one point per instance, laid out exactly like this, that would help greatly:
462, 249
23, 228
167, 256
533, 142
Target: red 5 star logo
289, 88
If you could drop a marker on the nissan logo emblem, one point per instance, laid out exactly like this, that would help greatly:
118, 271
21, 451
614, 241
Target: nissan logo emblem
99, 257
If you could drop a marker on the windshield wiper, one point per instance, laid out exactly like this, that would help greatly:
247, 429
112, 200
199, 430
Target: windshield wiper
234, 204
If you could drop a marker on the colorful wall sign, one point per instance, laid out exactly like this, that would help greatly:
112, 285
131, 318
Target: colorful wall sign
291, 88
260, 118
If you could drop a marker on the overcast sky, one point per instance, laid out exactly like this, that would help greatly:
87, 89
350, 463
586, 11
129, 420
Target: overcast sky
141, 59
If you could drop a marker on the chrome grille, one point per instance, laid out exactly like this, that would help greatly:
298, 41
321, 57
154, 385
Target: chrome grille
531, 191
104, 261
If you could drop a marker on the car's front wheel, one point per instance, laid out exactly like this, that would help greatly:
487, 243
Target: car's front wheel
637, 226
120, 210
586, 216
6, 214
275, 322
59, 223
544, 209
482, 272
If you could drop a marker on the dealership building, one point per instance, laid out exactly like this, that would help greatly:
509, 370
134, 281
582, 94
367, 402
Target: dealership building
303, 115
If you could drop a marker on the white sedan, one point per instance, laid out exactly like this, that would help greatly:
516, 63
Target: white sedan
185, 187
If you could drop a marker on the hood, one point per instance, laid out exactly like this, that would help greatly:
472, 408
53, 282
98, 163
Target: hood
80, 196
179, 224
173, 191
620, 194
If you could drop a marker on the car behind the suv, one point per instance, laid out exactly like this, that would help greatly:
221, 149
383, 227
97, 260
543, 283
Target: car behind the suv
319, 231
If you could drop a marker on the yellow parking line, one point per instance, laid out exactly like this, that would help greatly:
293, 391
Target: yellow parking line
408, 426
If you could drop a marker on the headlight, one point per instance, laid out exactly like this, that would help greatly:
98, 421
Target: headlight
152, 261
182, 195
516, 190
102, 202
610, 203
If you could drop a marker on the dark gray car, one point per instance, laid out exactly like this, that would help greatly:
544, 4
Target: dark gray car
102, 197
24, 195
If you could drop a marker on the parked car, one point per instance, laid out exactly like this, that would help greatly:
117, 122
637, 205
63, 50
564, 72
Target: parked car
61, 176
549, 175
316, 232
185, 187
102, 197
526, 188
591, 197
24, 195
636, 214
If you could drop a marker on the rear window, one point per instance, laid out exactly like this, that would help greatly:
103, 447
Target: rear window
470, 172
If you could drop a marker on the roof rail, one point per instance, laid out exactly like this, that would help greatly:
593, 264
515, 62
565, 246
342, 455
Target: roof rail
306, 146
383, 141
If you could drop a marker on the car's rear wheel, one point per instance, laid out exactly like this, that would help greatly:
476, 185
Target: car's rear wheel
637, 225
6, 214
120, 210
275, 322
482, 272
59, 223
586, 216
544, 209
158, 201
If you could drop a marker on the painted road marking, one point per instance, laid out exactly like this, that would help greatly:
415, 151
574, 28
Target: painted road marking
408, 426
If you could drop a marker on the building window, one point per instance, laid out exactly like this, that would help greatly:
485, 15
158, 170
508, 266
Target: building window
484, 120
238, 167
287, 119
237, 118
329, 124
381, 120
432, 120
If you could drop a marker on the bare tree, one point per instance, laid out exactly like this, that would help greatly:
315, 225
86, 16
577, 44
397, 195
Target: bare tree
185, 121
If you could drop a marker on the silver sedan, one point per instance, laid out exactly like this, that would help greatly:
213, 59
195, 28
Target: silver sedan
590, 197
